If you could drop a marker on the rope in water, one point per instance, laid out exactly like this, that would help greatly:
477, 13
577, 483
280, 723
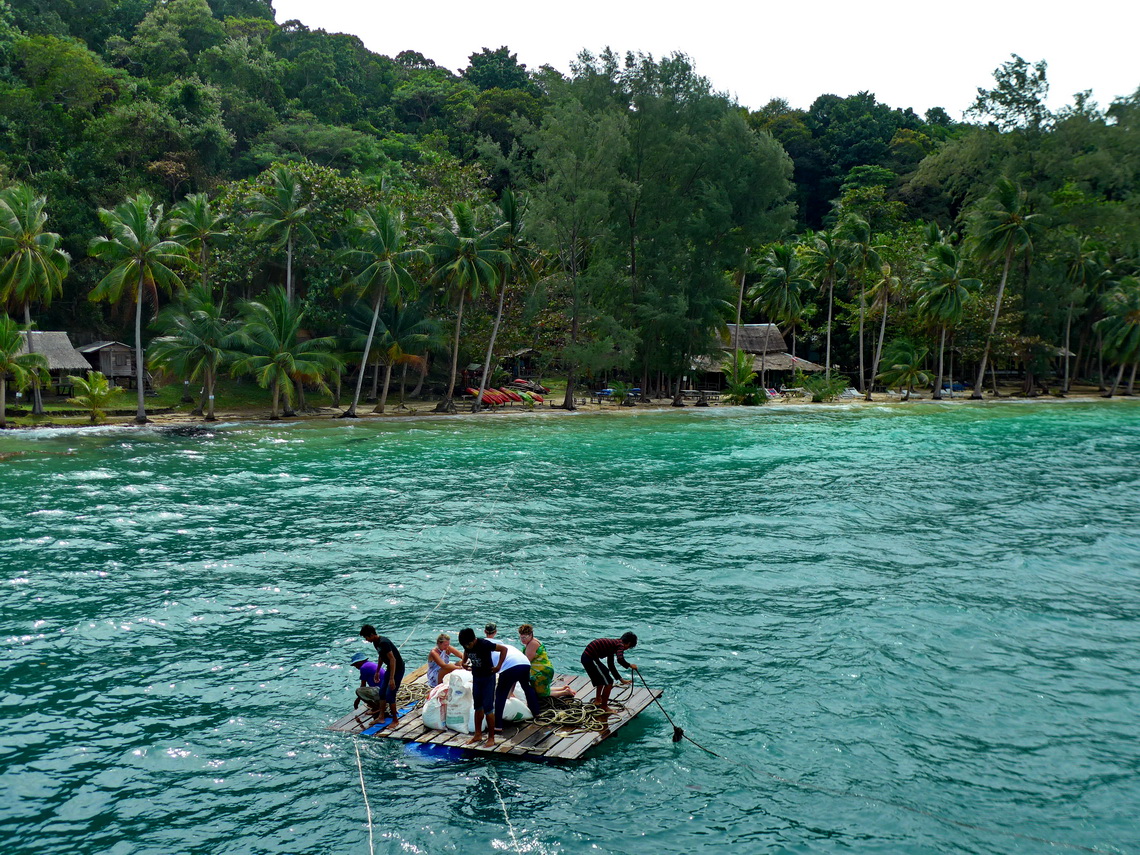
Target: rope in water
510, 827
679, 734
364, 792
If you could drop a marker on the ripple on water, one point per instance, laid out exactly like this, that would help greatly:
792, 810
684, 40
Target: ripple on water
935, 606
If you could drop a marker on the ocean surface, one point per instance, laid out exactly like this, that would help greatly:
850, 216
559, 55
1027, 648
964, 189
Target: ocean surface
904, 629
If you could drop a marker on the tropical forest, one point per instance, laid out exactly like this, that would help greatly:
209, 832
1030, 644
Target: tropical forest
246, 200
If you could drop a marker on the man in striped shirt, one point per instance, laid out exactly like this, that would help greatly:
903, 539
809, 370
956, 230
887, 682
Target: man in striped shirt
603, 674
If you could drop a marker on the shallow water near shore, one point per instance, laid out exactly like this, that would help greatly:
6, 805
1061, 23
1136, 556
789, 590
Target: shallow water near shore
864, 608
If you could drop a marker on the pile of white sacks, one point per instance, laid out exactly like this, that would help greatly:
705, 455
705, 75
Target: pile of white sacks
449, 707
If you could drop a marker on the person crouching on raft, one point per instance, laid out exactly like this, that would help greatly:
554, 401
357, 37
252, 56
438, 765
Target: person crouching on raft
387, 654
479, 651
371, 680
603, 674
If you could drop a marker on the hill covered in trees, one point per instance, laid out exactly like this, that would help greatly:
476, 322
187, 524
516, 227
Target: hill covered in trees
644, 200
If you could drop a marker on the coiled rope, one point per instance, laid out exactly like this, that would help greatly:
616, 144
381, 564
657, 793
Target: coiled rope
573, 717
679, 734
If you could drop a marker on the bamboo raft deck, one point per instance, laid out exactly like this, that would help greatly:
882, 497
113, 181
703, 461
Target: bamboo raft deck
522, 740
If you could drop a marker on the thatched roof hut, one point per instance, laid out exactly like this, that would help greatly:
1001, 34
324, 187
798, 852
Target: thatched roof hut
756, 338
62, 357
765, 362
765, 344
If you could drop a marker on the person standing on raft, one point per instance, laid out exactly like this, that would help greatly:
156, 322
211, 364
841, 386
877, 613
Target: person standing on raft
479, 652
387, 654
603, 674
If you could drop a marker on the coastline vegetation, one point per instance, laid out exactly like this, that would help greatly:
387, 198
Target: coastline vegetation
236, 197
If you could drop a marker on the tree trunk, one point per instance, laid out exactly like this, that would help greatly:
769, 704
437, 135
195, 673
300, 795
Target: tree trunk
1068, 331
568, 400
384, 395
490, 349
1099, 361
37, 395
941, 356
446, 406
1132, 378
273, 414
140, 416
202, 266
830, 302
862, 368
1116, 382
739, 309
678, 399
289, 270
879, 347
416, 392
350, 413
993, 327
951, 372
211, 384
3, 400
375, 380
403, 382
993, 381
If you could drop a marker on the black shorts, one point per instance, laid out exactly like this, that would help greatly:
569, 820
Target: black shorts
598, 672
483, 692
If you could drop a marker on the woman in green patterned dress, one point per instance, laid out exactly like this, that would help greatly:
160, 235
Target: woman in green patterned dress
541, 668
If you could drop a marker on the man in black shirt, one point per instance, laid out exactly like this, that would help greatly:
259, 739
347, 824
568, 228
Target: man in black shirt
388, 655
478, 651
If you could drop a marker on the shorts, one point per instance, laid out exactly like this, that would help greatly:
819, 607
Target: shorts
483, 692
390, 693
598, 672
370, 695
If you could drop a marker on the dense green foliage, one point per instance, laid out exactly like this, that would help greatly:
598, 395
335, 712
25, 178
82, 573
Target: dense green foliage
631, 197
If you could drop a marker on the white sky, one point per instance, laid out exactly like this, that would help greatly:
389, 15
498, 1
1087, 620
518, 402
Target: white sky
910, 54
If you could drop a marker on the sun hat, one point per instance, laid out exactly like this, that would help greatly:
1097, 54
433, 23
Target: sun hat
359, 657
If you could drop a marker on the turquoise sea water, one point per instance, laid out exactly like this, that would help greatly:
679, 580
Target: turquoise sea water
931, 607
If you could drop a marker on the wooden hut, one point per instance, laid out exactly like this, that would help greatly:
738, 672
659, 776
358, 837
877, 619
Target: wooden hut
62, 358
115, 359
523, 364
765, 344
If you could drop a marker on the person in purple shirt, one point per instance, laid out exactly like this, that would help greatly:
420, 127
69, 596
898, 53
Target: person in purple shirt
371, 682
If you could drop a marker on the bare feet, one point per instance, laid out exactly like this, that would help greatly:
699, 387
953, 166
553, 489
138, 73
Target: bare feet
490, 743
392, 723
478, 737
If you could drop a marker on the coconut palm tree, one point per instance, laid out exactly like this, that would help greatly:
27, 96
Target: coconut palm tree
825, 259
781, 289
903, 363
1121, 326
862, 260
465, 262
96, 394
273, 352
881, 293
144, 262
280, 213
24, 368
1086, 270
943, 292
196, 342
32, 265
1001, 227
195, 225
518, 264
380, 259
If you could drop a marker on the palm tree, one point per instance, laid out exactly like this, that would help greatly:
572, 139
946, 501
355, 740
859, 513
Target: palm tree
195, 224
380, 260
943, 292
781, 290
518, 261
407, 335
881, 292
825, 259
1001, 228
197, 340
280, 213
24, 368
274, 354
863, 258
1086, 268
96, 394
143, 263
1121, 326
465, 262
32, 266
904, 366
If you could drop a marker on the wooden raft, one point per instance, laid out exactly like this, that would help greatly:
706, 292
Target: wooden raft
524, 739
